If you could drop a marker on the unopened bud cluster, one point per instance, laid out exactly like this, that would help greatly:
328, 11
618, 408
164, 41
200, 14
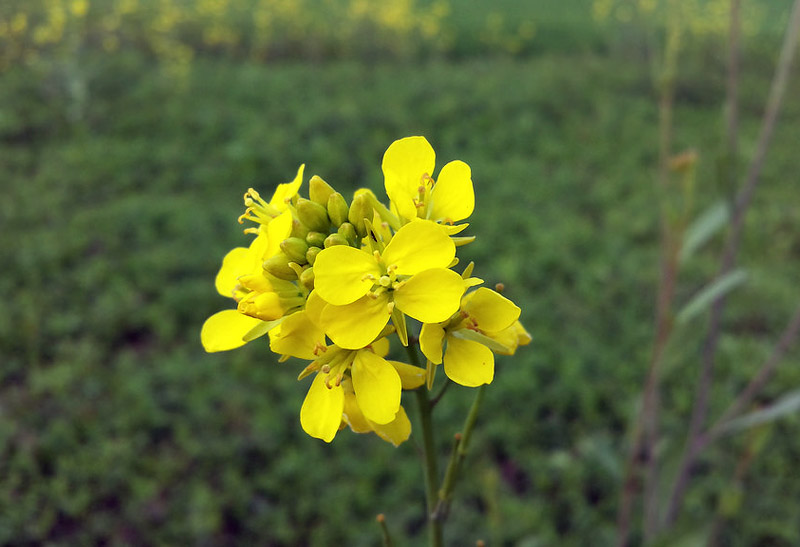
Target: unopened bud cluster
332, 281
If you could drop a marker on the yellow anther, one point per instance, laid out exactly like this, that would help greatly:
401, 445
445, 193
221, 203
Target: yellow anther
390, 307
368, 277
319, 348
377, 255
253, 193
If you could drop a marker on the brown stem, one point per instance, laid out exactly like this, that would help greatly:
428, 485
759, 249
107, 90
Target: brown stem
645, 432
700, 408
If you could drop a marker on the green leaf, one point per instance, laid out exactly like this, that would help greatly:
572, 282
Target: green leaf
710, 293
704, 227
787, 404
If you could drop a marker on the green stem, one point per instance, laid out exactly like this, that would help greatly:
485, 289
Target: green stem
460, 446
430, 468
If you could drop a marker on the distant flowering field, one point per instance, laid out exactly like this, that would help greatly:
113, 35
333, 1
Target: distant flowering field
177, 30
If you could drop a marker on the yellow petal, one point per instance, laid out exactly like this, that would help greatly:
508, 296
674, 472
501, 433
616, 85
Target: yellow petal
277, 230
491, 310
353, 415
224, 330
453, 196
340, 274
410, 376
511, 338
314, 307
431, 296
377, 385
321, 413
419, 246
396, 431
297, 336
381, 347
236, 263
431, 339
356, 325
468, 363
287, 190
405, 163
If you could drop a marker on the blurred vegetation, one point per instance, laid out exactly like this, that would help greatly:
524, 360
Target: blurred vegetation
122, 179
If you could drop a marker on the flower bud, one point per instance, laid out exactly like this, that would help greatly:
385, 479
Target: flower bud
337, 208
266, 306
319, 191
299, 229
348, 231
311, 254
307, 278
313, 215
278, 266
335, 239
359, 210
295, 248
315, 239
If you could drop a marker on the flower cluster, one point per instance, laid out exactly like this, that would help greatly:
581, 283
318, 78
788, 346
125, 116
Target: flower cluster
331, 282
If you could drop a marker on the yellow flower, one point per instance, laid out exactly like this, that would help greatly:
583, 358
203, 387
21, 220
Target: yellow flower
487, 321
408, 177
395, 432
375, 382
261, 212
362, 289
242, 278
360, 387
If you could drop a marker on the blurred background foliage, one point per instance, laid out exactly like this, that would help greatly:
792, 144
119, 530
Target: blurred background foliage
129, 130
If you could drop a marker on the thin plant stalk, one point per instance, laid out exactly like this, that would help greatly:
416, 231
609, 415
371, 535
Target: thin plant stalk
694, 441
430, 468
645, 433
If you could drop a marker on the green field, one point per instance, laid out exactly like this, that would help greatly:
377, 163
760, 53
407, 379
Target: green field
121, 188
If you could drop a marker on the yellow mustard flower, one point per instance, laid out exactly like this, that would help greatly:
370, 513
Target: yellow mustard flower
242, 278
395, 432
362, 289
465, 342
360, 388
408, 177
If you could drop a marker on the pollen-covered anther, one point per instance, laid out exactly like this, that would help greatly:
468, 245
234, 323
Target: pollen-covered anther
319, 348
368, 277
390, 307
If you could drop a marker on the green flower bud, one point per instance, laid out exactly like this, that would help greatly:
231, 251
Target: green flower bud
337, 208
295, 248
315, 239
335, 239
359, 210
348, 231
319, 190
307, 278
278, 266
311, 254
299, 229
313, 215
